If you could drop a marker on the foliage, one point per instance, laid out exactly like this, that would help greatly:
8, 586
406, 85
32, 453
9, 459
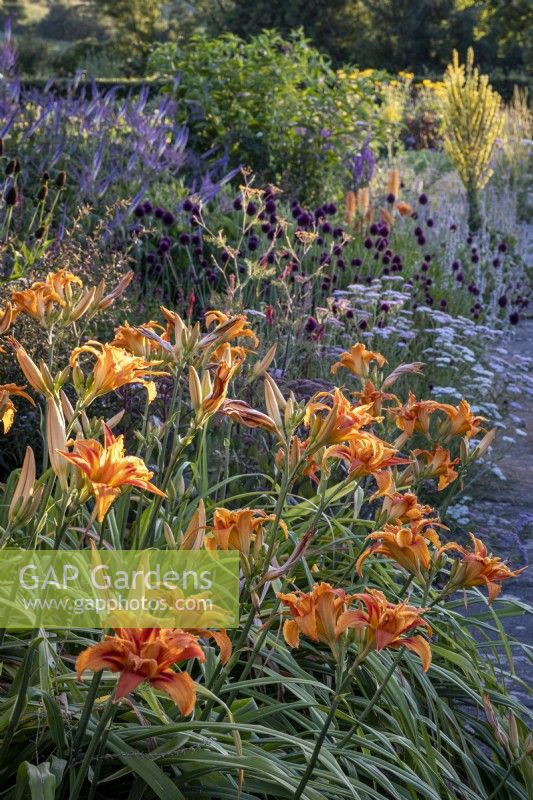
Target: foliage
274, 104
339, 703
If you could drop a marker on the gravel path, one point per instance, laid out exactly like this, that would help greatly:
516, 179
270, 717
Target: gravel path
502, 514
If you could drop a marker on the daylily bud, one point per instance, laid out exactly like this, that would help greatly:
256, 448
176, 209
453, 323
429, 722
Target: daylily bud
42, 383
68, 412
25, 499
261, 367
195, 389
169, 536
483, 445
57, 441
193, 538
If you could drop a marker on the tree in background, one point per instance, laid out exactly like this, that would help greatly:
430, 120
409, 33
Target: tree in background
418, 35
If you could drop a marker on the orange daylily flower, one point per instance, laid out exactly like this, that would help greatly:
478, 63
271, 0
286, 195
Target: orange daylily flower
398, 507
438, 464
341, 423
370, 394
407, 546
147, 654
315, 614
364, 455
226, 328
225, 352
413, 416
461, 421
217, 396
358, 360
478, 568
107, 469
114, 368
382, 624
240, 530
135, 342
7, 407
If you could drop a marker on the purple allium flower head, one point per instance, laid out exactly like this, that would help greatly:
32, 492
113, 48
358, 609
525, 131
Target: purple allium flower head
326, 228
429, 223
148, 207
475, 258
270, 207
418, 231
311, 325
368, 243
139, 212
460, 277
159, 213
363, 325
251, 209
423, 199
502, 301
356, 262
187, 205
164, 245
421, 241
443, 303
331, 209
168, 218
496, 262
514, 318
502, 247
237, 204
374, 229
184, 238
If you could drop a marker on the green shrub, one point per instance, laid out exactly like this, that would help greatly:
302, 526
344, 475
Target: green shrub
274, 105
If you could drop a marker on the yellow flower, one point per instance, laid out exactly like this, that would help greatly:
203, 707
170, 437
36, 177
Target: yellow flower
107, 469
114, 368
478, 568
7, 407
358, 360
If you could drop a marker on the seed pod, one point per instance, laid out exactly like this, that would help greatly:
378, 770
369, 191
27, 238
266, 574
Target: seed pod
11, 196
13, 167
61, 180
1, 147
46, 177
40, 232
43, 192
